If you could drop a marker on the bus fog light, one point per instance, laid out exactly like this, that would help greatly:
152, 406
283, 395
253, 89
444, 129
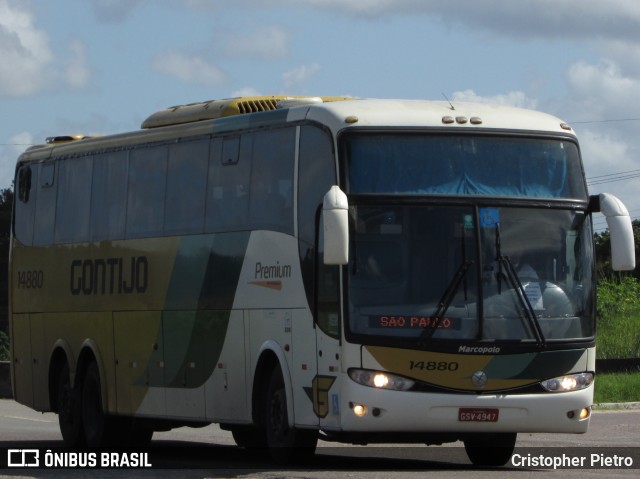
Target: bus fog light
570, 382
359, 409
585, 413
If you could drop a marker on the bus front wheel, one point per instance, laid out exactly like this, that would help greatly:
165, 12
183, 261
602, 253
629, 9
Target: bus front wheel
490, 450
286, 444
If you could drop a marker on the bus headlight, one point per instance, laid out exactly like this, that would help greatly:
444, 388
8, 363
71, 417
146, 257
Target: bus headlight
380, 380
570, 382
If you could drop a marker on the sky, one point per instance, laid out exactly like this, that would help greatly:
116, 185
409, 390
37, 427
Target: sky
103, 66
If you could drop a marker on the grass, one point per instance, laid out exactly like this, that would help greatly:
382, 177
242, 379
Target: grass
4, 346
617, 387
618, 337
618, 320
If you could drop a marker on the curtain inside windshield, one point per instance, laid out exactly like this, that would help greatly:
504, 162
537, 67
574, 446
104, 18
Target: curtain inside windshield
469, 273
420, 164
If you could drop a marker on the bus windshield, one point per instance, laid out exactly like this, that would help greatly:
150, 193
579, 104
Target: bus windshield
470, 273
486, 165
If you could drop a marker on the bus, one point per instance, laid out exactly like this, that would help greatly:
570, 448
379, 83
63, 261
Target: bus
301, 268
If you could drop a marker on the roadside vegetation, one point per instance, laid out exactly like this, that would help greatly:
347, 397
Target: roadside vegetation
617, 388
4, 346
6, 205
618, 334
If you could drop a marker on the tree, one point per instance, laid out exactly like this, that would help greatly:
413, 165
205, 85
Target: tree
603, 252
6, 206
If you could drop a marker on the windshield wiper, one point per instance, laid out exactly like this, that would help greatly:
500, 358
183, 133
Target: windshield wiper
445, 300
512, 277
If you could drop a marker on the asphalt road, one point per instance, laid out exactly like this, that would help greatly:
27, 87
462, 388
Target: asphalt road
210, 452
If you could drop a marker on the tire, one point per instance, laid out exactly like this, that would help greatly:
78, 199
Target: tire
97, 425
491, 450
69, 401
286, 444
101, 429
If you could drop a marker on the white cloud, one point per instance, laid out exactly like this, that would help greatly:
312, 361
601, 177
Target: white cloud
297, 77
607, 154
189, 69
515, 98
599, 150
77, 71
602, 91
593, 20
25, 55
268, 43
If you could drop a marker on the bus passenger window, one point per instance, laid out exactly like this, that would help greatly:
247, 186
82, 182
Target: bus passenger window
109, 195
186, 187
25, 208
73, 200
271, 198
228, 180
145, 199
45, 206
24, 184
47, 172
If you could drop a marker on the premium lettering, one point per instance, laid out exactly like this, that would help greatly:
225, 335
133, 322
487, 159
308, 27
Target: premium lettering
275, 271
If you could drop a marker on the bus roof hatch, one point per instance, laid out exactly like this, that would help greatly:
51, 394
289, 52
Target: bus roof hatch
212, 109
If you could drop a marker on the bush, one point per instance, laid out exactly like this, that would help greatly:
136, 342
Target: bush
618, 297
618, 319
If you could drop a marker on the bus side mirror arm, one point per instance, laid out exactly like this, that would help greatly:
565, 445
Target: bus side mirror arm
335, 215
623, 249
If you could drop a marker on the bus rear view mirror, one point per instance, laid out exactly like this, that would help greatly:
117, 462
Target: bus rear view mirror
335, 214
623, 251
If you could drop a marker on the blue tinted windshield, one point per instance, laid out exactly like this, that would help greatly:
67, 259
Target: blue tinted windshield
427, 164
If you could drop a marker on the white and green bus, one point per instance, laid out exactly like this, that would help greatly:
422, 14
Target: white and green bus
295, 269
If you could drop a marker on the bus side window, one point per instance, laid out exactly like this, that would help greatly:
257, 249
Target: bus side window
109, 195
45, 206
228, 180
24, 184
145, 198
73, 200
25, 207
186, 187
271, 198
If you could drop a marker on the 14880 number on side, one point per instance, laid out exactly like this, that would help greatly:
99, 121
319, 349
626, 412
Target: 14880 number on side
31, 279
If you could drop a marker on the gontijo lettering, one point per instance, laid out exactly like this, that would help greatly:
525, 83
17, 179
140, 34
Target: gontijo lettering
109, 276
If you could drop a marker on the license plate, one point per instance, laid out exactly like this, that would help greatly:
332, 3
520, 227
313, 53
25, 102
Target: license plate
474, 414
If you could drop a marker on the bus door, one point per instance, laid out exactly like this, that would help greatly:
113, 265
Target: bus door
328, 347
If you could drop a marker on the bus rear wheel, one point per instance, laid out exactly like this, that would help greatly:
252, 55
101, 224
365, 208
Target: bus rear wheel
286, 444
93, 416
102, 429
490, 450
69, 403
